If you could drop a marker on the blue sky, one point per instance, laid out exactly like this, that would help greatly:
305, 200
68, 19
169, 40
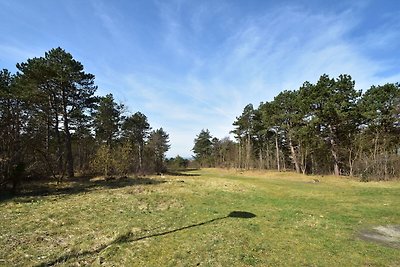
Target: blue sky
190, 65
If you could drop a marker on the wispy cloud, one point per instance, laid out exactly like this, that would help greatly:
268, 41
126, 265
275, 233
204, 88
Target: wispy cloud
13, 53
108, 17
200, 63
264, 55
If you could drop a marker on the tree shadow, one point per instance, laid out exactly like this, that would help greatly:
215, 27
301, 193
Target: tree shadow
75, 186
130, 237
186, 169
241, 214
180, 173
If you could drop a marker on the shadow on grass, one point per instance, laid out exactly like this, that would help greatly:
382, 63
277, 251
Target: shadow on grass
75, 186
186, 169
178, 173
129, 237
182, 172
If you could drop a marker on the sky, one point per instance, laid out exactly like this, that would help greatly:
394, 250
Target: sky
193, 65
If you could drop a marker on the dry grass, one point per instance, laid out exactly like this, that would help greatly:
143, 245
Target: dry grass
182, 221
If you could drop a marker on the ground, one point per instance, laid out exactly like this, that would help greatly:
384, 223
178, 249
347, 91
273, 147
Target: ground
209, 217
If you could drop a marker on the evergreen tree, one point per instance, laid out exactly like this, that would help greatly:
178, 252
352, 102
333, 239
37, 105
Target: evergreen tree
157, 146
11, 123
244, 132
135, 130
380, 107
61, 88
202, 148
107, 120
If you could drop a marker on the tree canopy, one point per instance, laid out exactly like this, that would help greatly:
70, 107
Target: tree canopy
322, 128
53, 124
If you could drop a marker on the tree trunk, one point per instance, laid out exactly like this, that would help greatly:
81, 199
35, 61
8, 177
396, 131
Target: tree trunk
248, 152
59, 146
336, 169
268, 158
312, 163
376, 145
294, 156
68, 148
352, 160
240, 155
385, 164
106, 165
48, 133
277, 152
68, 144
304, 155
82, 150
140, 157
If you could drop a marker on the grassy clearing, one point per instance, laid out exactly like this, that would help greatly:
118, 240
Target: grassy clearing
182, 221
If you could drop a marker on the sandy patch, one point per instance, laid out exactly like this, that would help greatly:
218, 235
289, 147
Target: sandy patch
388, 235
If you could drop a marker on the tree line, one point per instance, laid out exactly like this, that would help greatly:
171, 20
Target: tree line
53, 124
324, 128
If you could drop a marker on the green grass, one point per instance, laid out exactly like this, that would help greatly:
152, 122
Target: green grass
182, 221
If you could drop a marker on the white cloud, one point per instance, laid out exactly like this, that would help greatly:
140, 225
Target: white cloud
213, 59
268, 54
109, 19
17, 53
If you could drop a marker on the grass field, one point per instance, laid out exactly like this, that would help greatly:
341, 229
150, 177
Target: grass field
183, 221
